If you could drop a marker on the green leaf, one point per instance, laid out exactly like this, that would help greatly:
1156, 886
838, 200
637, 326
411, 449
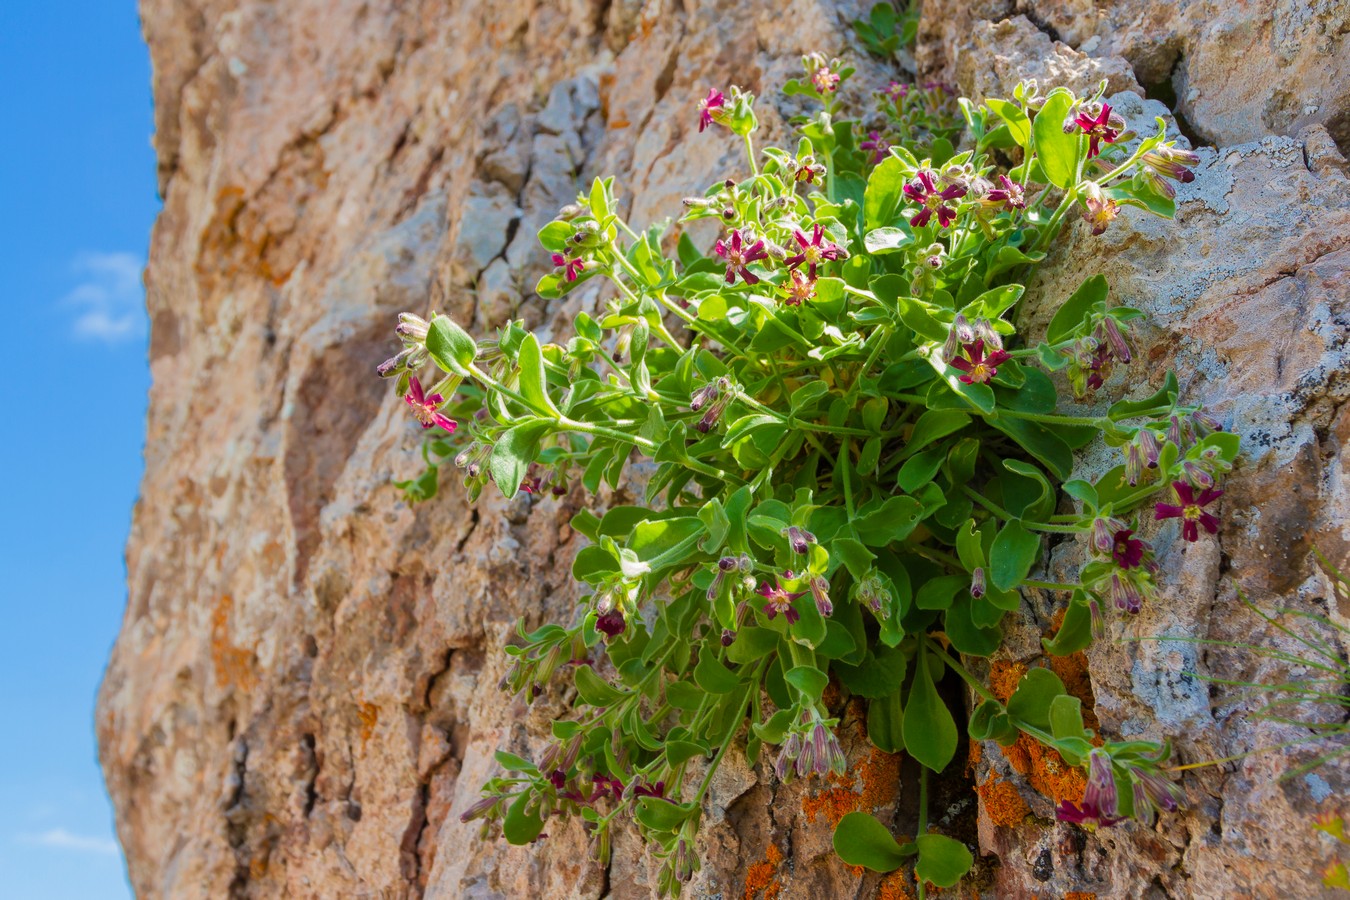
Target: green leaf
661, 815
1012, 556
934, 425
594, 690
554, 235
887, 239
967, 635
1019, 126
937, 593
685, 696
942, 861
990, 722
1164, 396
1081, 304
1057, 151
533, 382
809, 680
930, 731
450, 346
1066, 718
857, 558
880, 674
861, 840
1042, 443
712, 676
512, 763
512, 454
919, 470
522, 826
682, 751
894, 521
1030, 703
1075, 632
884, 193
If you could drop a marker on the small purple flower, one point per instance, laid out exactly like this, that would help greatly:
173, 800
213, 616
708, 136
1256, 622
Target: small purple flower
652, 790
571, 268
714, 101
977, 367
799, 539
1125, 594
1100, 792
424, 407
877, 145
1103, 127
728, 637
924, 192
1126, 550
815, 250
1151, 791
739, 257
778, 600
1190, 510
1011, 194
611, 623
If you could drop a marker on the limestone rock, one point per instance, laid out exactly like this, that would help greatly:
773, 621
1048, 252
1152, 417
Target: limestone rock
302, 698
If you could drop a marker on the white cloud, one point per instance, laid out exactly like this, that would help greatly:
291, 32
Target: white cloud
109, 299
61, 839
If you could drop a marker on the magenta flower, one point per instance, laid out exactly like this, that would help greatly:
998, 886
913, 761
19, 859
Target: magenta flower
877, 145
1127, 551
1103, 127
425, 407
798, 289
815, 250
571, 267
1011, 194
611, 623
1191, 510
924, 192
654, 790
714, 101
1086, 816
779, 600
739, 257
978, 368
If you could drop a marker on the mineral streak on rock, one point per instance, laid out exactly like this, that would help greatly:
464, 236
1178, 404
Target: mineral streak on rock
302, 698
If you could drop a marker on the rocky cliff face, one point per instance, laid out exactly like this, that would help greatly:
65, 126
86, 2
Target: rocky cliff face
303, 694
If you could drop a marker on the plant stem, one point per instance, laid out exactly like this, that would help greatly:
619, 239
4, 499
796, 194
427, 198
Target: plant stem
750, 154
1004, 514
923, 814
975, 683
1050, 585
736, 723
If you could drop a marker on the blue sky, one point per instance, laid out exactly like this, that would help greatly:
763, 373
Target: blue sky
77, 199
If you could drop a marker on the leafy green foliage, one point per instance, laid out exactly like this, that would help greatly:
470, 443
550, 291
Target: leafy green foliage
851, 457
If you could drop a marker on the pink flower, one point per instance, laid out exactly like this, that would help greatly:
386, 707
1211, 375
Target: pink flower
611, 623
799, 288
978, 368
1191, 510
779, 600
1105, 126
824, 80
1011, 194
739, 257
425, 407
815, 250
877, 145
571, 267
1126, 550
924, 192
714, 101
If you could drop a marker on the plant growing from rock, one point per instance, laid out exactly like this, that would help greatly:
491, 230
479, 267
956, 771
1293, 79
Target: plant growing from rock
853, 461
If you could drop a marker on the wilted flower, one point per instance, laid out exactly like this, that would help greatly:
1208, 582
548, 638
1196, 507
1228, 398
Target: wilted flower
798, 288
820, 592
424, 407
1099, 210
1190, 510
611, 623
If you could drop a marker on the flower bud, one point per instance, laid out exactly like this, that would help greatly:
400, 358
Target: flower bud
1197, 474
977, 583
1116, 340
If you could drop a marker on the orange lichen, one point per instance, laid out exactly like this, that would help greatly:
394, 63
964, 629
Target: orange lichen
880, 773
760, 880
1002, 802
1080, 895
1045, 769
233, 665
369, 714
895, 886
1004, 676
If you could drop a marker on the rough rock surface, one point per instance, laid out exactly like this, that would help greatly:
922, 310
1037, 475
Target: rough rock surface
302, 697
